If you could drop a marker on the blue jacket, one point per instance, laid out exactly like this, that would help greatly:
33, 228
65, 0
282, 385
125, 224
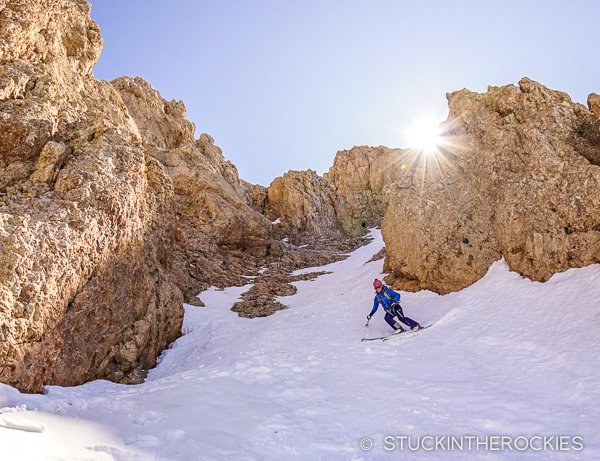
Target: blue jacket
387, 298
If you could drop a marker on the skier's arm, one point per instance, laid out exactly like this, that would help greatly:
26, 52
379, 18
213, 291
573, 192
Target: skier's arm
375, 307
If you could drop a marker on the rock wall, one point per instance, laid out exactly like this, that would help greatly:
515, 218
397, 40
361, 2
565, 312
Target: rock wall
305, 208
86, 286
112, 214
517, 177
218, 236
361, 176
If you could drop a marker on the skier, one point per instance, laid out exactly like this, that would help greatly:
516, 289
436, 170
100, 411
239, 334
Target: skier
390, 300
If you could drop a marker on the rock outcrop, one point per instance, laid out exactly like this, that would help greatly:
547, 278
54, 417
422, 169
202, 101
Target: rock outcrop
111, 213
221, 236
304, 207
86, 284
517, 178
361, 176
218, 235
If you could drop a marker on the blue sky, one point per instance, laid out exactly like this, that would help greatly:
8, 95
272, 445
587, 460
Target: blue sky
284, 85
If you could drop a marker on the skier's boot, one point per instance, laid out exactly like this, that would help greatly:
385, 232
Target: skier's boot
399, 329
416, 327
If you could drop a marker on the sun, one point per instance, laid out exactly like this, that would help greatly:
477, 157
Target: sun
432, 151
424, 135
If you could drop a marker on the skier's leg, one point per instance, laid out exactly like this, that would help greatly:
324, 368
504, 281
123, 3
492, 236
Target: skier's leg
392, 322
405, 320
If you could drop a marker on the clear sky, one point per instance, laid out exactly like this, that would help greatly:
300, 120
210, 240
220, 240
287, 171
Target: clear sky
285, 84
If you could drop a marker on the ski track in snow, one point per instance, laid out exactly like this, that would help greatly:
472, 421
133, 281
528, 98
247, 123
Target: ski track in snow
505, 357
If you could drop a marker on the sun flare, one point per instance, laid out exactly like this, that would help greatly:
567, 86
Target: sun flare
431, 152
424, 135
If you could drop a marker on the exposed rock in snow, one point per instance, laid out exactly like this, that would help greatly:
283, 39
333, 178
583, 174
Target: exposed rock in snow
112, 214
503, 358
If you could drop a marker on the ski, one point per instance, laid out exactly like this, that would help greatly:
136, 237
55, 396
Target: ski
414, 333
364, 340
396, 335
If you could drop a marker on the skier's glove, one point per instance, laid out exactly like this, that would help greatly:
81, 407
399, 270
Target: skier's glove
369, 317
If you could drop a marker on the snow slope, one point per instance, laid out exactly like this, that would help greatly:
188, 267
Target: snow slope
506, 357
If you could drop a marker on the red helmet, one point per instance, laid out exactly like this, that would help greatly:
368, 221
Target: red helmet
377, 283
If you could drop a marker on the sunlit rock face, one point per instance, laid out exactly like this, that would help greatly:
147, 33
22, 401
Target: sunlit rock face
306, 209
111, 213
361, 175
85, 284
517, 177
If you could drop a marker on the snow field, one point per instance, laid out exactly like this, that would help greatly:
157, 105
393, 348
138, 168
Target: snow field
505, 357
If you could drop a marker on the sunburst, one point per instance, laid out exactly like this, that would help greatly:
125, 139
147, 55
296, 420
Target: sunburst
429, 151
425, 135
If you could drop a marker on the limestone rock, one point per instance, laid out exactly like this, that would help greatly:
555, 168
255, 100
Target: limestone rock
112, 214
217, 232
13, 172
85, 252
257, 195
47, 50
362, 175
517, 178
160, 123
51, 160
594, 104
306, 208
259, 300
59, 32
274, 277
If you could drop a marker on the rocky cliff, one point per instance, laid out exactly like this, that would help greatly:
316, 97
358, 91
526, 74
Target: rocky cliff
86, 282
516, 177
362, 175
111, 213
303, 206
217, 235
95, 179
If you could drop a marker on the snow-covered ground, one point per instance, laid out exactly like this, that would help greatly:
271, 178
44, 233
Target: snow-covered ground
505, 358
